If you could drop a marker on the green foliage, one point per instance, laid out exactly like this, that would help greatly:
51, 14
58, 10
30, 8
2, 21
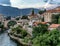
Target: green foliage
41, 28
32, 11
17, 18
23, 33
51, 38
2, 27
8, 18
20, 30
59, 20
26, 39
11, 23
42, 11
24, 17
55, 18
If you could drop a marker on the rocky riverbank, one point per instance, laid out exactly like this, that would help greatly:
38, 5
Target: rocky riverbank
19, 40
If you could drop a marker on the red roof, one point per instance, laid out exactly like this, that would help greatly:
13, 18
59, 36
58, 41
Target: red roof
54, 10
54, 25
36, 23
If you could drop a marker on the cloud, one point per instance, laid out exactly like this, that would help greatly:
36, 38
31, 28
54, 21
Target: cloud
57, 2
5, 2
27, 3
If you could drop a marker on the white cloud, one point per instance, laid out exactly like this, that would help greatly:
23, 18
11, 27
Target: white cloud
48, 5
23, 4
4, 4
30, 4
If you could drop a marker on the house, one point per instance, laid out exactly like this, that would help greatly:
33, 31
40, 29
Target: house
36, 23
22, 21
34, 16
54, 26
48, 14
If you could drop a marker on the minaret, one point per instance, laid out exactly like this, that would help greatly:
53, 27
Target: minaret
32, 12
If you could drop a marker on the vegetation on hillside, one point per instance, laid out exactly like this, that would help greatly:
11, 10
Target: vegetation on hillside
17, 18
2, 28
42, 11
11, 23
8, 18
51, 38
19, 30
24, 17
41, 28
55, 18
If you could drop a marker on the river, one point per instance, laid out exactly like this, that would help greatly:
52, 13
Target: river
6, 41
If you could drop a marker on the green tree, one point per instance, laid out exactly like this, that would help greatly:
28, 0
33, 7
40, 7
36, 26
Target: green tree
2, 27
8, 18
59, 20
51, 38
17, 18
41, 17
55, 18
42, 11
11, 23
19, 30
41, 28
24, 17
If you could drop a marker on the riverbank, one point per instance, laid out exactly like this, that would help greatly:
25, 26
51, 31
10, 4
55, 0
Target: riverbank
19, 40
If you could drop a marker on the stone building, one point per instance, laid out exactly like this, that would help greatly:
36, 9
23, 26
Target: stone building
1, 18
48, 14
34, 17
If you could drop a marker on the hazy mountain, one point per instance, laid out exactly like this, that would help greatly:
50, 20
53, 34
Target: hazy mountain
11, 11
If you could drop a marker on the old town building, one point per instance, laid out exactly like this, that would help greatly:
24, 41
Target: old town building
48, 14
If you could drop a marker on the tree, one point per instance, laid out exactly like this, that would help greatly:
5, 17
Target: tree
41, 28
24, 17
2, 28
55, 18
17, 18
32, 11
42, 11
59, 20
40, 16
8, 18
11, 23
19, 30
51, 38
1, 25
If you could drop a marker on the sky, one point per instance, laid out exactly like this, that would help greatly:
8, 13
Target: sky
30, 3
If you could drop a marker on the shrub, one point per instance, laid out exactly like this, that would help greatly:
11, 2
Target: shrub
51, 38
11, 23
24, 33
41, 28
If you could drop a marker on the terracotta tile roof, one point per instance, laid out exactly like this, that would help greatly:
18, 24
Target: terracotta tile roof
54, 25
54, 10
33, 16
36, 23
